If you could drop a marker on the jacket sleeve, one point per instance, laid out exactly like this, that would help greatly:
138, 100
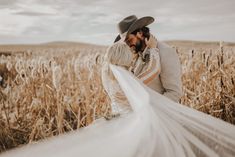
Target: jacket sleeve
170, 73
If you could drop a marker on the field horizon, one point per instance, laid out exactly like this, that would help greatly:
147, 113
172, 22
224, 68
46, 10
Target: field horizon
65, 44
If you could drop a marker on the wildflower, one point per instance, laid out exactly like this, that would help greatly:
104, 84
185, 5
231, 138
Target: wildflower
56, 76
9, 66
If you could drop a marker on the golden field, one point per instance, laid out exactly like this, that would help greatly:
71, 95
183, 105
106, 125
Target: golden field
50, 89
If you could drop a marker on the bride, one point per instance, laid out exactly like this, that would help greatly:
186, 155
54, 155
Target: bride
143, 123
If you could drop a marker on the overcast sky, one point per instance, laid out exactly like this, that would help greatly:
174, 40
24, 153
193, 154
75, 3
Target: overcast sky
38, 21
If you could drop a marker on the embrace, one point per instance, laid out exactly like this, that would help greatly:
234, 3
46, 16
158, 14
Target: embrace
155, 63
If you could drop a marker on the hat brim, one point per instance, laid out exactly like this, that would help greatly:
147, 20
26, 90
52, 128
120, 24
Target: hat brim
141, 22
117, 38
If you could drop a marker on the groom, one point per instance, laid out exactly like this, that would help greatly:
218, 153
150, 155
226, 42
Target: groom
134, 32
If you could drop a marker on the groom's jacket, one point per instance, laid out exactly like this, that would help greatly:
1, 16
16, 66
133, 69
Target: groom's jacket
168, 82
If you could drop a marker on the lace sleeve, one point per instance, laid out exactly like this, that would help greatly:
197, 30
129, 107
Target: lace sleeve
119, 102
153, 67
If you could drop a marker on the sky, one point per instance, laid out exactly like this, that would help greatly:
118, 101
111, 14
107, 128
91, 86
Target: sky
95, 21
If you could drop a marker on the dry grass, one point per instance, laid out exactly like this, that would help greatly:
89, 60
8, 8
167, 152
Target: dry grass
46, 92
209, 82
49, 95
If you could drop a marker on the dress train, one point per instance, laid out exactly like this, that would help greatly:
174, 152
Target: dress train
157, 126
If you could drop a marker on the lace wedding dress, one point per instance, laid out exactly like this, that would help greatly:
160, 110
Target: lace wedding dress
154, 127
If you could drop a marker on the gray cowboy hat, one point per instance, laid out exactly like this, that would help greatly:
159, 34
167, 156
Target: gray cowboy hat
130, 24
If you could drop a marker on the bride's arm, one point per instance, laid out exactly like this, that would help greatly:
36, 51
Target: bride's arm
153, 68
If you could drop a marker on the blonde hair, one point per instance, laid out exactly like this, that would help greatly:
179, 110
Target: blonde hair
119, 54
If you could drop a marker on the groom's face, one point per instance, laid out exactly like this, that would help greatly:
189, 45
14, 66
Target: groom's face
135, 42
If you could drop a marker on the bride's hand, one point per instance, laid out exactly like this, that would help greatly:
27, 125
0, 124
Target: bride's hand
152, 42
114, 115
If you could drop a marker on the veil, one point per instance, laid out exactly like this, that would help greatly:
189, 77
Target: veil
156, 127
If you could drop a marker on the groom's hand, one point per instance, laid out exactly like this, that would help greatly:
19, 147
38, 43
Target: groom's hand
152, 42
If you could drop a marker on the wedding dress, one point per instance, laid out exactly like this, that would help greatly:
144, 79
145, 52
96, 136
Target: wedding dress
154, 127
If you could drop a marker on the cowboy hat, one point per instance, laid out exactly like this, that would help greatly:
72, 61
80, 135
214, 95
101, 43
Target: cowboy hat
130, 24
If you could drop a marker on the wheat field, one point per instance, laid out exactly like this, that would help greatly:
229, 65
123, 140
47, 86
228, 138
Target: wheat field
47, 90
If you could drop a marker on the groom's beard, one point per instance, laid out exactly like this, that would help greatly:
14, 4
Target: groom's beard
139, 46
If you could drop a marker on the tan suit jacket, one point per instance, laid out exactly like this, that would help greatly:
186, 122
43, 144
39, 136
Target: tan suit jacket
168, 82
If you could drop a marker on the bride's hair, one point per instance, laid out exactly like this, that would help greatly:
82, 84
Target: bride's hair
117, 54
